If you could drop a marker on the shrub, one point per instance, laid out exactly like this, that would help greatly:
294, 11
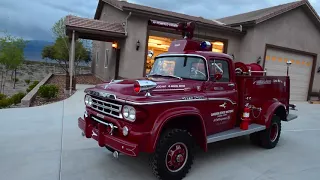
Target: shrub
27, 81
6, 102
48, 91
16, 99
2, 96
34, 84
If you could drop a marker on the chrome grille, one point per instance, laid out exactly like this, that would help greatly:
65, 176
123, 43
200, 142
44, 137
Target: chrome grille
107, 108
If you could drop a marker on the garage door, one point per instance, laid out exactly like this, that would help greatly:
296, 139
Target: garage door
299, 72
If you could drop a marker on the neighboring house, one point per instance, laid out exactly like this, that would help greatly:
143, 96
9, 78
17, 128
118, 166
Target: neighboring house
269, 36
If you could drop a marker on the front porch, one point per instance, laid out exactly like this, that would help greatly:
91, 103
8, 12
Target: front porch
96, 30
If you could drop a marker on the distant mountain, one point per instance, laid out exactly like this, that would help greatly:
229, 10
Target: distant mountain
33, 50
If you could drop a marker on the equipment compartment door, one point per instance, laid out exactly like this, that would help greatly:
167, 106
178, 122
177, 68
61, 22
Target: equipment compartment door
222, 98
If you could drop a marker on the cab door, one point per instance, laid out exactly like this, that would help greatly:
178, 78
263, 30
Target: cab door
222, 96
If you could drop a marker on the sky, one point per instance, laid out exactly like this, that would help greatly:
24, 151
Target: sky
33, 19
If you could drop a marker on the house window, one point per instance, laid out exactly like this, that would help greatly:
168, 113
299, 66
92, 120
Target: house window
217, 46
97, 58
106, 58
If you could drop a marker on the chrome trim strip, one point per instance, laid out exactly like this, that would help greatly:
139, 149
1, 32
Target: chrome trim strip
162, 102
105, 123
178, 101
236, 132
222, 99
163, 90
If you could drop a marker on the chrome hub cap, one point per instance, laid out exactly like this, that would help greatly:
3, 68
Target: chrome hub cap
176, 157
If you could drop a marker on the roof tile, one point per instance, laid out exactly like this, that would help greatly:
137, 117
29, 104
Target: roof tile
79, 22
261, 14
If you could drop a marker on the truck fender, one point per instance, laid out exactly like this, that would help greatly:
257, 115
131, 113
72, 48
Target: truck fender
172, 113
269, 109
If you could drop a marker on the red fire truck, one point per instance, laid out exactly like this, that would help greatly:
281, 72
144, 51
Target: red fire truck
191, 97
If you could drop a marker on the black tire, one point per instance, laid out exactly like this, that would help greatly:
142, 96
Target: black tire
269, 138
173, 139
110, 149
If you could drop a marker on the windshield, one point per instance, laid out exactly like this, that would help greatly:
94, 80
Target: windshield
185, 67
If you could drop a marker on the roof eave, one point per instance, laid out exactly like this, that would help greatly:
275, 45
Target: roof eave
221, 27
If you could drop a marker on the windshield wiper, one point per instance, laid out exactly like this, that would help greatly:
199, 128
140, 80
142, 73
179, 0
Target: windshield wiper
180, 78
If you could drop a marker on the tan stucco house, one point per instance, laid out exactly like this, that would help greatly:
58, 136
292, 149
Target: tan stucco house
270, 36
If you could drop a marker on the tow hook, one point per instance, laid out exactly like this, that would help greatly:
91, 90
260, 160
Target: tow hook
115, 154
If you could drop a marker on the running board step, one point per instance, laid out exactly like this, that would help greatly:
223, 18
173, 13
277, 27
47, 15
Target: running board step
236, 132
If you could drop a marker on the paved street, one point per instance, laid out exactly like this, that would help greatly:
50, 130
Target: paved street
44, 143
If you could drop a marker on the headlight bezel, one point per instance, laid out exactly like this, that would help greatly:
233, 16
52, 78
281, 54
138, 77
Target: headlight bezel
129, 113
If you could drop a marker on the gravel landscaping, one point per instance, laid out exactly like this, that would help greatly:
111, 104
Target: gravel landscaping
59, 81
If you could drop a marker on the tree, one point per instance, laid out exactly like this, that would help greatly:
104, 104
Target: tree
11, 56
59, 51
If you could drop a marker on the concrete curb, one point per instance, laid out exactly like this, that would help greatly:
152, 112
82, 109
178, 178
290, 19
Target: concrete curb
27, 99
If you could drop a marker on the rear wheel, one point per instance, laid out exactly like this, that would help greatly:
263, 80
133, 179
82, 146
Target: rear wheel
174, 155
269, 138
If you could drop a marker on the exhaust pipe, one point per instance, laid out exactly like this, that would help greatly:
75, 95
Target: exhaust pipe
115, 154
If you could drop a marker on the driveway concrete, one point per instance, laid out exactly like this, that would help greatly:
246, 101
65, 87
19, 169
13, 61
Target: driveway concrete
44, 143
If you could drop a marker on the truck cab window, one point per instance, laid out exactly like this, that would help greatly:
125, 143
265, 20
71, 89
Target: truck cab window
223, 65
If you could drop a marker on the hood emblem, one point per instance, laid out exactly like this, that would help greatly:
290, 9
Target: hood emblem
223, 105
199, 88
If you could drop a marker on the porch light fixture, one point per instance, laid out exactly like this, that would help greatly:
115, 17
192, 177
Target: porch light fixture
114, 45
137, 45
288, 64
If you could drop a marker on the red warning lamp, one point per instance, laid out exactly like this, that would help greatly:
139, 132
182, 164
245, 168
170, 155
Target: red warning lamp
136, 87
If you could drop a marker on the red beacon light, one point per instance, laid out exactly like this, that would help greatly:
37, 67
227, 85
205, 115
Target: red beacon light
143, 85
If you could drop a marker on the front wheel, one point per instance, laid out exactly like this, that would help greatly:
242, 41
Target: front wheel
174, 155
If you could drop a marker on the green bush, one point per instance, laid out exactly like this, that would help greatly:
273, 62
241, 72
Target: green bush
2, 96
27, 81
6, 102
34, 84
16, 99
48, 91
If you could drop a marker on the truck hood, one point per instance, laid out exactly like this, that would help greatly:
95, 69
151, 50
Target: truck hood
124, 88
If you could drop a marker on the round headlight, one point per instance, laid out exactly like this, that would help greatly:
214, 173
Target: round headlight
125, 111
129, 113
132, 113
88, 100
